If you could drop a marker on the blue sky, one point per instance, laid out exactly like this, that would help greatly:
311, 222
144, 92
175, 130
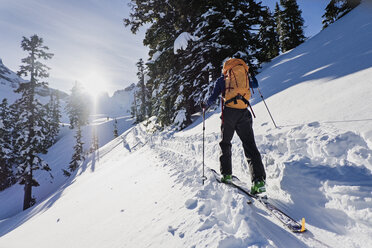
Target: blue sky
89, 40
87, 37
312, 11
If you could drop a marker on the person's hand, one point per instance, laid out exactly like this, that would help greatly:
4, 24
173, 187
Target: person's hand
204, 105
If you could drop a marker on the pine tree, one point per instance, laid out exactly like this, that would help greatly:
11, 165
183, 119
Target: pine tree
291, 25
348, 6
268, 36
77, 107
53, 118
141, 93
56, 115
167, 21
116, 134
134, 108
77, 156
331, 14
95, 145
77, 110
7, 178
179, 81
140, 105
30, 131
337, 9
279, 20
224, 29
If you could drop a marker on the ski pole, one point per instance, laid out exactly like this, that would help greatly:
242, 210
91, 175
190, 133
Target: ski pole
267, 107
203, 177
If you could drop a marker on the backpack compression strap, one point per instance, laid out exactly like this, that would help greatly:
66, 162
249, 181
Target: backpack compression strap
240, 97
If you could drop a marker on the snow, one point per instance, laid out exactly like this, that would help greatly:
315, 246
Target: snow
144, 188
182, 41
180, 118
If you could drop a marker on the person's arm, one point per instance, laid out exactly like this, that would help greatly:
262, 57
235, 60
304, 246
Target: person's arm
253, 83
219, 87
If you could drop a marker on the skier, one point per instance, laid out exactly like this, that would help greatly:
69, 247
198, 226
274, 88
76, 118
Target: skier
233, 85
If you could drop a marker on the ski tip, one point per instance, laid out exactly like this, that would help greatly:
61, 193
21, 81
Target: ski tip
303, 229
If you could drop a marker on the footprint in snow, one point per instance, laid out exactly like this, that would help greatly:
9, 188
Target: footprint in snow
191, 203
313, 124
172, 230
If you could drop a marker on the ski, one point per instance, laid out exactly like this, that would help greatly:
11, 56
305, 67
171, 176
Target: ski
284, 218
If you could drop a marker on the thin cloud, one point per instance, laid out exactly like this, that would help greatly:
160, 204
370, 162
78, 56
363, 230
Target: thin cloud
84, 35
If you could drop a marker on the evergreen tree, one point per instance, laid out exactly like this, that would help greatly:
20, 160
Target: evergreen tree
218, 29
141, 93
53, 118
30, 131
167, 22
279, 21
331, 14
134, 107
268, 37
56, 114
337, 9
291, 25
95, 145
140, 105
77, 107
77, 156
116, 134
348, 6
7, 177
77, 110
224, 29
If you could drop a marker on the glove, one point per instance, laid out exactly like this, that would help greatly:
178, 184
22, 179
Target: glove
204, 105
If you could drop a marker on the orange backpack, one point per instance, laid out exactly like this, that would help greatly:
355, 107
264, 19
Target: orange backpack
237, 93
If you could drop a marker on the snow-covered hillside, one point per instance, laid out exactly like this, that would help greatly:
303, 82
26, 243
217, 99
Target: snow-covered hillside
118, 104
144, 189
329, 71
9, 81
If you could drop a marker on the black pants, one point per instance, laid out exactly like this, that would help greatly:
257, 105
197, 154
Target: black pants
240, 120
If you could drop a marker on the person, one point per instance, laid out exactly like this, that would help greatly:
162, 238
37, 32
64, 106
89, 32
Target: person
233, 85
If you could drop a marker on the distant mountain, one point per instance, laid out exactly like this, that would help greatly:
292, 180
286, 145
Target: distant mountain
118, 105
9, 81
8, 77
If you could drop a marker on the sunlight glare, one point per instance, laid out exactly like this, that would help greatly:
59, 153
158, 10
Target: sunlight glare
94, 84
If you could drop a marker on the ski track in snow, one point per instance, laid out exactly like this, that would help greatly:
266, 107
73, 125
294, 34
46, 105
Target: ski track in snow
309, 167
313, 170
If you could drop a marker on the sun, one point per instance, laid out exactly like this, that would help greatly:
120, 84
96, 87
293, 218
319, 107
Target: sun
94, 89
94, 84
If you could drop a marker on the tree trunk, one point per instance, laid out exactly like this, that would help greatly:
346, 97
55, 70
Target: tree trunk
28, 192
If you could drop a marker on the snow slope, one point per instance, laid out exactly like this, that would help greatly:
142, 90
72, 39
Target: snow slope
328, 71
144, 189
59, 157
9, 81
